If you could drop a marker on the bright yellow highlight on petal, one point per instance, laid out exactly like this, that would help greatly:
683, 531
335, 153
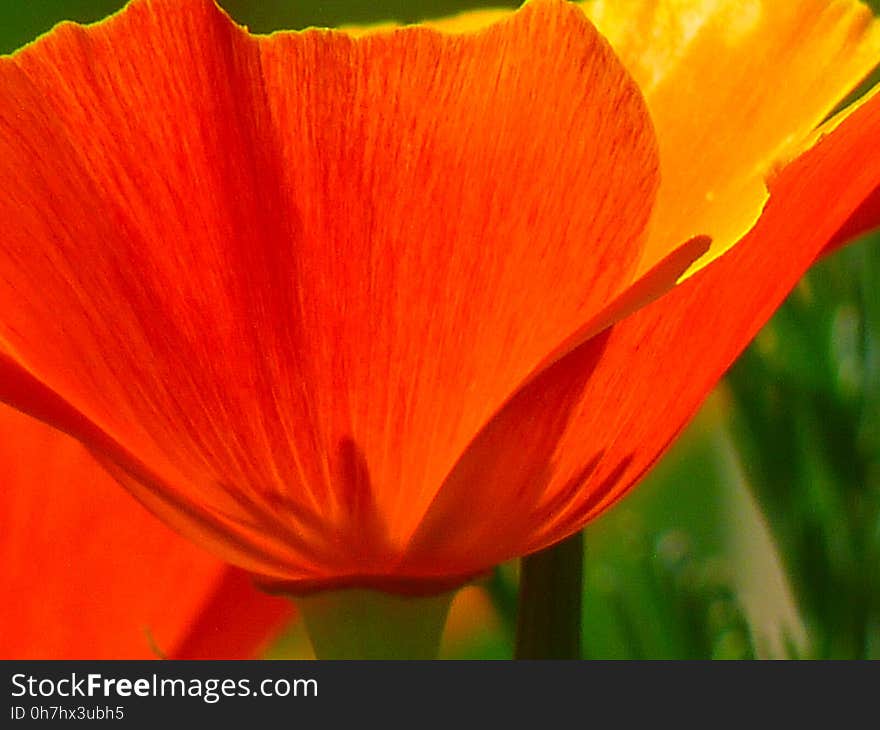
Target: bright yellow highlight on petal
753, 67
468, 21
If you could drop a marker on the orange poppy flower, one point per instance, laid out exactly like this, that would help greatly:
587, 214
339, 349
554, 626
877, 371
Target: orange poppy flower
375, 308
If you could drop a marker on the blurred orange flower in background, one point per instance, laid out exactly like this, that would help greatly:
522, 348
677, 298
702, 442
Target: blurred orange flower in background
385, 309
87, 573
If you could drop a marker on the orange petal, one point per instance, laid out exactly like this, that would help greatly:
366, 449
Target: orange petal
576, 438
733, 88
94, 576
280, 302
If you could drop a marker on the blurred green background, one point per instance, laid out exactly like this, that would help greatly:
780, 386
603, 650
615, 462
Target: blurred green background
759, 534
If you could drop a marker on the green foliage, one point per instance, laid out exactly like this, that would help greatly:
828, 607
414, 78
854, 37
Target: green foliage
807, 423
21, 21
658, 582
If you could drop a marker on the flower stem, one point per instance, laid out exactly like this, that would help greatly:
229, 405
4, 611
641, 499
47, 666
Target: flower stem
363, 624
550, 589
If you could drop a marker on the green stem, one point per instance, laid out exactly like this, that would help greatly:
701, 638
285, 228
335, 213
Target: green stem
550, 590
362, 624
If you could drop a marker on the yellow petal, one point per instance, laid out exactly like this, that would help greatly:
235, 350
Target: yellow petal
734, 87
